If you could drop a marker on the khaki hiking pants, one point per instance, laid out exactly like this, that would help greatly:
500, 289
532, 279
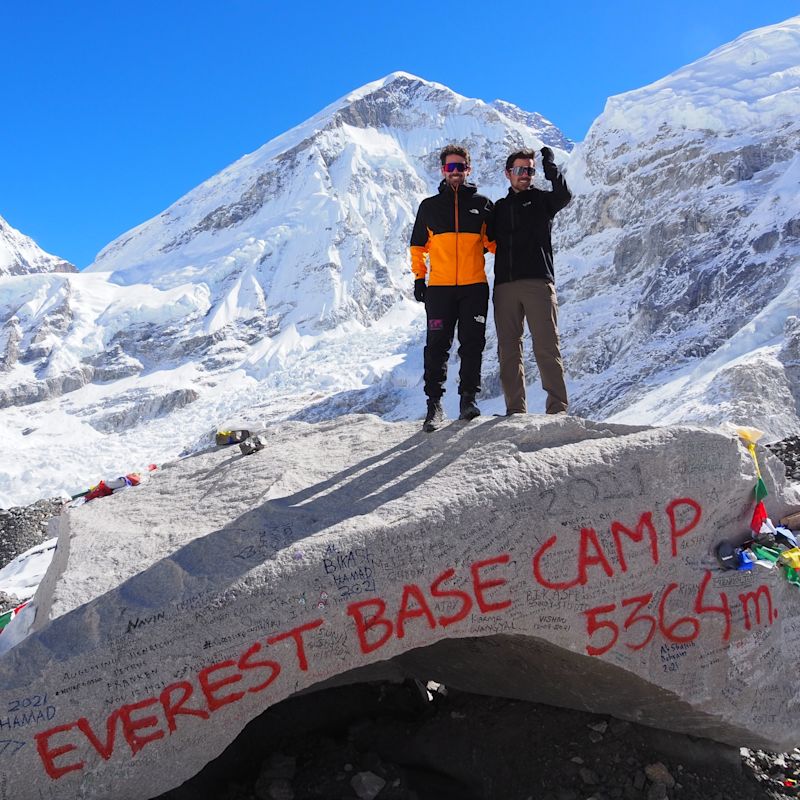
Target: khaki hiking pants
535, 300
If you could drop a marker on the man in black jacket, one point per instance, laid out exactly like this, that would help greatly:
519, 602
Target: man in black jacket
524, 285
450, 232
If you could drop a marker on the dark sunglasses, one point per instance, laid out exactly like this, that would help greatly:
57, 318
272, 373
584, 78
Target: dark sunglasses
455, 166
522, 170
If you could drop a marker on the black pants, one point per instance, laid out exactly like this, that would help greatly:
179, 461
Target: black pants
446, 307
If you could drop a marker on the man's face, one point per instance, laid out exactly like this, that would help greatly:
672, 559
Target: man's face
457, 177
519, 183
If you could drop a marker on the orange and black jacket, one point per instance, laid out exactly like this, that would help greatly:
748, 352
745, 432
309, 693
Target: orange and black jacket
451, 228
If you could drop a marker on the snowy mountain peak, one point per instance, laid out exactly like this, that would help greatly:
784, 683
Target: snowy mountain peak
550, 134
353, 171
750, 83
684, 236
20, 255
758, 53
400, 79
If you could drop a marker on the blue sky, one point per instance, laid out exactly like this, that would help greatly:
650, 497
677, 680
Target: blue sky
111, 111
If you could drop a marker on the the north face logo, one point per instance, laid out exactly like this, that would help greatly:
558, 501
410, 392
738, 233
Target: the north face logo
474, 211
480, 319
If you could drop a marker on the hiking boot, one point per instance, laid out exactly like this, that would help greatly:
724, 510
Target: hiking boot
467, 408
435, 416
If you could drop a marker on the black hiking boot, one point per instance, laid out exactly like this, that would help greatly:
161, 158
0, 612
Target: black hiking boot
435, 416
467, 408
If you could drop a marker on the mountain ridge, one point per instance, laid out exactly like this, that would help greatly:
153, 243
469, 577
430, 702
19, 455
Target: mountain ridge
20, 255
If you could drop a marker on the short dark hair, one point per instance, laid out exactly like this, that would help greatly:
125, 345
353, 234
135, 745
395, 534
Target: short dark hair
454, 150
524, 153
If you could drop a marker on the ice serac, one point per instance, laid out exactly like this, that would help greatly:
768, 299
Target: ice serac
20, 255
679, 258
553, 559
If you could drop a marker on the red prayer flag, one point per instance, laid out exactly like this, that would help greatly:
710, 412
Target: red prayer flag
759, 517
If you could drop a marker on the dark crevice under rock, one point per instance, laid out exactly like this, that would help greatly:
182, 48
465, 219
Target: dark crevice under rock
445, 744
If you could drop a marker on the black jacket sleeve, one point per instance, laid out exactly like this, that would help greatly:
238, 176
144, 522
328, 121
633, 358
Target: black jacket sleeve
419, 235
561, 194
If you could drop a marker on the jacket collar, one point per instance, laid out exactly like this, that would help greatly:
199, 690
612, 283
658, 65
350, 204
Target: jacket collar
522, 195
467, 188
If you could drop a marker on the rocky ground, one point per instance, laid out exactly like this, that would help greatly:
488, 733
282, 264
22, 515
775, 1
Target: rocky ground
21, 528
788, 451
397, 742
407, 742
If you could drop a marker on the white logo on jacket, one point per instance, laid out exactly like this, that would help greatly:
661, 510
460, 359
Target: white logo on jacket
474, 211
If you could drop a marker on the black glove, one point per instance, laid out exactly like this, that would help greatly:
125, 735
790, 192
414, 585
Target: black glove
419, 290
548, 163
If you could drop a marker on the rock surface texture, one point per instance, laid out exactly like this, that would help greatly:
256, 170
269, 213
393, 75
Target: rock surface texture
545, 559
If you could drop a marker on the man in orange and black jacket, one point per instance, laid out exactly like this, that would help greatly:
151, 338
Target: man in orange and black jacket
451, 229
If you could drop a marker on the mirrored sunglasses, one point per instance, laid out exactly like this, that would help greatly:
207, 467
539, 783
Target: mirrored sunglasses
522, 170
456, 166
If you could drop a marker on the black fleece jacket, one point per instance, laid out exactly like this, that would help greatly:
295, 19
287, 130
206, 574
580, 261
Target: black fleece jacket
520, 225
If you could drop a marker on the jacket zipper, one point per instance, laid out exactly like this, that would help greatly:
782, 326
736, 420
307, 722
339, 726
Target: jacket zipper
456, 195
511, 241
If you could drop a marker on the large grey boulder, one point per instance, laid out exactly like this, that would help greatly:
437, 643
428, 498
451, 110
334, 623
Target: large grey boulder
552, 559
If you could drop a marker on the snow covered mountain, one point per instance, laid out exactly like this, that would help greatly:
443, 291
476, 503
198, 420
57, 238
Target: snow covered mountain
281, 286
20, 255
280, 282
312, 229
681, 252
